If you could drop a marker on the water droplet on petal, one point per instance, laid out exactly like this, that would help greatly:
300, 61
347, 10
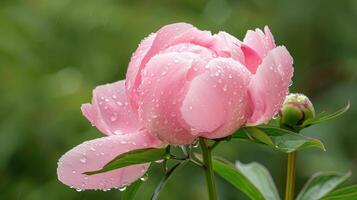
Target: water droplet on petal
225, 88
144, 177
123, 188
83, 160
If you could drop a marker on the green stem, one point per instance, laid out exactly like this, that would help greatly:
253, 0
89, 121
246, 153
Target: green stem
290, 176
207, 159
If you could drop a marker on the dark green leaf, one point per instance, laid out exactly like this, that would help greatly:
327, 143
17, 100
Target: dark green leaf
277, 138
252, 179
260, 177
165, 179
130, 192
346, 193
325, 118
132, 158
321, 184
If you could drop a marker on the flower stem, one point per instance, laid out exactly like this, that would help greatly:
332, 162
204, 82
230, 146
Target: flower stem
290, 176
207, 159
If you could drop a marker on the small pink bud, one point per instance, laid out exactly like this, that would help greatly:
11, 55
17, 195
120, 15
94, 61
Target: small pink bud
296, 109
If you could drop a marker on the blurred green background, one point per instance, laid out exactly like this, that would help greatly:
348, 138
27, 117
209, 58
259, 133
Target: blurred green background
54, 52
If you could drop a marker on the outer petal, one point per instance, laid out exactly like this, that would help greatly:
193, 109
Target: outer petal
110, 111
94, 154
270, 85
134, 66
167, 36
261, 42
160, 95
216, 102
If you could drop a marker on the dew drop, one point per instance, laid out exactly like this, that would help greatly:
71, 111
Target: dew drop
195, 144
78, 190
144, 177
83, 160
114, 117
123, 188
194, 131
225, 88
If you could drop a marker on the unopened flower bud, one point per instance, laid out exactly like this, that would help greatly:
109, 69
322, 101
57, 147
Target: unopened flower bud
296, 109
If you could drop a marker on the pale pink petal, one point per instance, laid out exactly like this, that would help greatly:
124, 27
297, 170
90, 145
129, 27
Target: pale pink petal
165, 80
252, 59
134, 66
110, 111
94, 154
204, 53
227, 45
167, 36
216, 102
261, 42
270, 85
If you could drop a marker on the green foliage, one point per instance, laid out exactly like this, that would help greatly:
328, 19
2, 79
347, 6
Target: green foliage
321, 184
165, 179
277, 138
321, 118
135, 157
346, 193
252, 179
130, 192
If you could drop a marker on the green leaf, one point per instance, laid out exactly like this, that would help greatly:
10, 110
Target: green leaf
321, 184
130, 192
165, 179
326, 118
277, 138
135, 157
260, 177
346, 193
252, 179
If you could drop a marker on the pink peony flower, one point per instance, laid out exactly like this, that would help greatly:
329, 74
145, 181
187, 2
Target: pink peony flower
182, 83
186, 83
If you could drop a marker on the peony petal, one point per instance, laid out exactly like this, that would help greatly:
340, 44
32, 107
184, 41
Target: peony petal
94, 154
110, 111
165, 79
167, 36
134, 66
227, 45
270, 85
216, 103
252, 59
261, 42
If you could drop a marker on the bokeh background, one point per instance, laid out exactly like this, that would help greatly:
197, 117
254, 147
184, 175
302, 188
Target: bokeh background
54, 52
